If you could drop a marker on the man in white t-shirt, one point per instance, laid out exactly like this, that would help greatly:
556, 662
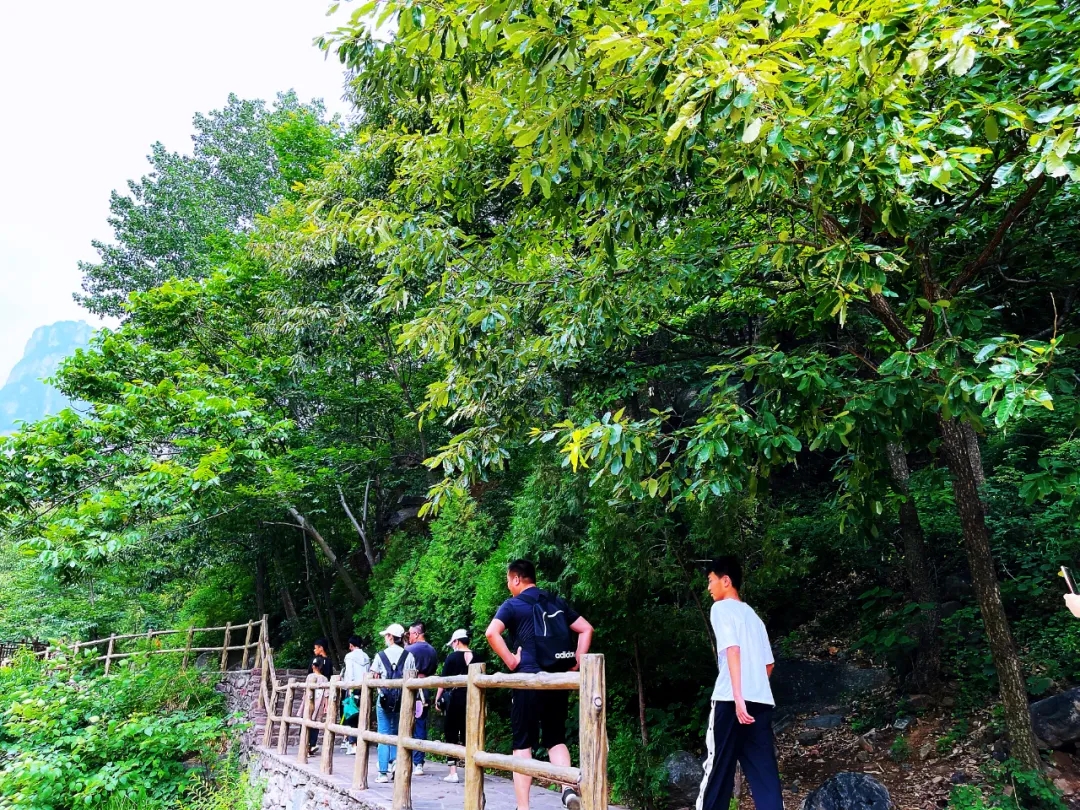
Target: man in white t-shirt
740, 724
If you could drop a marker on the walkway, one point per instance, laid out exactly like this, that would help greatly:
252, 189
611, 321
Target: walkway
429, 792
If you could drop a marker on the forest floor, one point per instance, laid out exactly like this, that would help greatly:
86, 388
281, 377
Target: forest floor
918, 758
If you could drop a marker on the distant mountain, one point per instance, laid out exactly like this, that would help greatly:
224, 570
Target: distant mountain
25, 397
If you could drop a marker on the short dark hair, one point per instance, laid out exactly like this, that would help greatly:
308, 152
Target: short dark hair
322, 642
726, 566
419, 627
522, 568
354, 641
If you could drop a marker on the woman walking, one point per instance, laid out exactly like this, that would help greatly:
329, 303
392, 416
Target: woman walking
390, 664
319, 672
452, 701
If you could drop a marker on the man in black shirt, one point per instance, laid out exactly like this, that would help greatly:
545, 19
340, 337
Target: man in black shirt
427, 664
537, 717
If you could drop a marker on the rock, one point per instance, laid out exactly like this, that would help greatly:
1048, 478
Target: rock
958, 778
813, 686
849, 791
684, 775
782, 722
826, 721
1056, 719
207, 660
810, 737
920, 703
862, 756
926, 752
902, 724
866, 742
1066, 786
948, 702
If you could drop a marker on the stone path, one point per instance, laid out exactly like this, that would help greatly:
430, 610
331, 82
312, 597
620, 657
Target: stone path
429, 792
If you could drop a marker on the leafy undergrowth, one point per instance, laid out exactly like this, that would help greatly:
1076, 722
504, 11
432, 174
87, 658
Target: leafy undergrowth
148, 735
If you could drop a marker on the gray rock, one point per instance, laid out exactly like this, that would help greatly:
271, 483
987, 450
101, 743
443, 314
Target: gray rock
849, 791
684, 775
815, 686
902, 723
810, 737
1056, 719
826, 721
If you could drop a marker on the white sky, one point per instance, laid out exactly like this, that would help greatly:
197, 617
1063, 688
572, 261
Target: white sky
87, 87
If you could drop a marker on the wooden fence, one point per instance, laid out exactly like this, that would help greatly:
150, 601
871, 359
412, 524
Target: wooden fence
9, 649
251, 648
590, 779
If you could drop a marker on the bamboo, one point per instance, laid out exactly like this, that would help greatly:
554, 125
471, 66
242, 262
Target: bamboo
302, 744
247, 647
286, 714
593, 734
360, 767
536, 768
108, 653
403, 771
333, 698
225, 648
475, 714
187, 647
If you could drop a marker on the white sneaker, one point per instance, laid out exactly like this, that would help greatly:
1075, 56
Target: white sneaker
451, 778
351, 750
418, 770
382, 778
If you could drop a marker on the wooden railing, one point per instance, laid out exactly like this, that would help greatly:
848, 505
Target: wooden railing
252, 648
590, 779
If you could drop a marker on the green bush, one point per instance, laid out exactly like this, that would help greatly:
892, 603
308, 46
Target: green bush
137, 737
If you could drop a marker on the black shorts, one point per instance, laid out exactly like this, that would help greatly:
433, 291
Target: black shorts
538, 718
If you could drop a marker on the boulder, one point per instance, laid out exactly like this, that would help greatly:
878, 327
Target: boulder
1056, 719
684, 775
849, 791
810, 737
825, 721
815, 686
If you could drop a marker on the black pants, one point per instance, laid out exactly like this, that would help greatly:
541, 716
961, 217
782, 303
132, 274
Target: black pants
751, 746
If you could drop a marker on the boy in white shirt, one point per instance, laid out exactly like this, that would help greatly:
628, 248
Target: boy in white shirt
740, 725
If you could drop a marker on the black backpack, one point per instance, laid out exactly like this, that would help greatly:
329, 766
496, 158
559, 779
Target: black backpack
554, 643
390, 699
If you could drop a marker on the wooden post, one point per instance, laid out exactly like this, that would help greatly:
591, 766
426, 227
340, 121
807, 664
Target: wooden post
302, 746
270, 702
475, 715
363, 720
286, 714
247, 645
403, 769
109, 652
225, 647
593, 728
333, 700
187, 647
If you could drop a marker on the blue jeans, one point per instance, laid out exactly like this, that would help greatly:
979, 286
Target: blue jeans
420, 733
388, 724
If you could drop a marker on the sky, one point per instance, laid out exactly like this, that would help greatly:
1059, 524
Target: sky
87, 87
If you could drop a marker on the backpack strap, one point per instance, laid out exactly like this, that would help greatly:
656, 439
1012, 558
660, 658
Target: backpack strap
386, 663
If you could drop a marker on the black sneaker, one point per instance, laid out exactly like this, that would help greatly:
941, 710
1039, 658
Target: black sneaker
570, 799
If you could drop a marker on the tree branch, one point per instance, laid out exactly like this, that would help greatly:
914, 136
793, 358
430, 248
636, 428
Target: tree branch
343, 574
369, 553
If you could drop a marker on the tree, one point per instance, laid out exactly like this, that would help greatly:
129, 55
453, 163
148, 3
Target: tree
821, 200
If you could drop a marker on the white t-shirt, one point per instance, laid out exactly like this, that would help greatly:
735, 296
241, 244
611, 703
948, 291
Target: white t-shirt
357, 665
736, 625
393, 653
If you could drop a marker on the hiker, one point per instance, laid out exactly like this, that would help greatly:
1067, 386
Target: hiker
427, 664
543, 629
319, 671
452, 701
391, 663
1072, 602
740, 723
357, 665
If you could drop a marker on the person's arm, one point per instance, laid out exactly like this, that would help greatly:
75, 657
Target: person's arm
1072, 602
584, 630
768, 670
498, 645
734, 662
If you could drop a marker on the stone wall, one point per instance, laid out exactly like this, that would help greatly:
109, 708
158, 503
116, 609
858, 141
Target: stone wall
241, 690
290, 787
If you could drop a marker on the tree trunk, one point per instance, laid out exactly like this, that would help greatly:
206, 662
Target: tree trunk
971, 440
923, 590
343, 574
260, 582
361, 525
331, 619
640, 694
984, 580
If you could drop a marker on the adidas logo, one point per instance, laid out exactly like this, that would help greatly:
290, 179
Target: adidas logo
565, 654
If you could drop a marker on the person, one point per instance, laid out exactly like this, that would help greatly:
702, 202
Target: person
390, 663
740, 722
319, 671
427, 664
1072, 602
452, 701
357, 665
537, 717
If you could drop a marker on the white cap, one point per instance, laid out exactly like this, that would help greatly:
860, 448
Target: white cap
395, 630
457, 636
